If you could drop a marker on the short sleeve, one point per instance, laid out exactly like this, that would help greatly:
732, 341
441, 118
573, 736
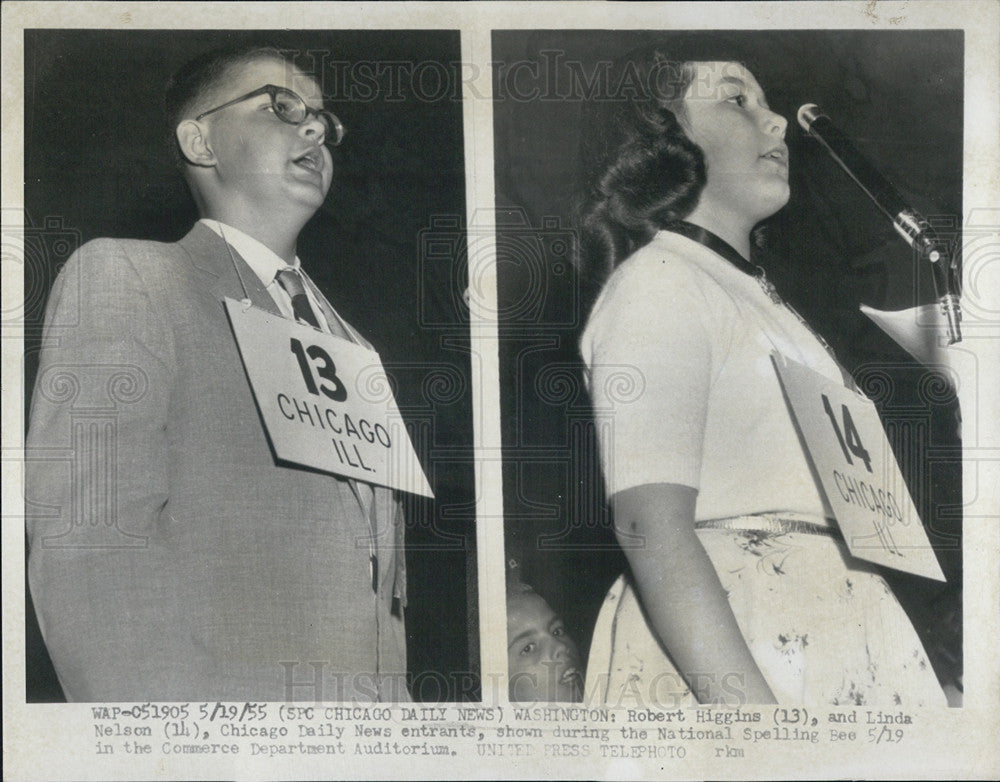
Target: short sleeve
648, 351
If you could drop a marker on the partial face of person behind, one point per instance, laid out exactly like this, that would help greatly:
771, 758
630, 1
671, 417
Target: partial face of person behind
542, 661
270, 166
725, 113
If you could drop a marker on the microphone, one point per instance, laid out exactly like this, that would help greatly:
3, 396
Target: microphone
907, 221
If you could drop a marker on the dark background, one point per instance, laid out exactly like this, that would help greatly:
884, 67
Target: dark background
899, 96
387, 248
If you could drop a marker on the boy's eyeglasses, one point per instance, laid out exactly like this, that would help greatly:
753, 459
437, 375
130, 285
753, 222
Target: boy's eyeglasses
290, 108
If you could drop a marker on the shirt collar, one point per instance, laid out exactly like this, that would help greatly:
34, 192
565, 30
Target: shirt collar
264, 261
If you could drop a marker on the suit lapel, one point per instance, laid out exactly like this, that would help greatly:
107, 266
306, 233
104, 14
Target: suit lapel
338, 325
223, 270
366, 494
224, 273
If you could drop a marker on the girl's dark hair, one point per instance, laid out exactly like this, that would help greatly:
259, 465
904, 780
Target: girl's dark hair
648, 172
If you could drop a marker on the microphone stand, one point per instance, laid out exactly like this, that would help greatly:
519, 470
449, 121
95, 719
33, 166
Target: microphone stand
944, 267
908, 223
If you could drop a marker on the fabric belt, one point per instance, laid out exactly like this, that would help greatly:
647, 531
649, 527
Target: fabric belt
775, 524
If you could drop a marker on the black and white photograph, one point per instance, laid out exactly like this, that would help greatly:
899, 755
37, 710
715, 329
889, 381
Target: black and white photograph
175, 551
501, 390
667, 226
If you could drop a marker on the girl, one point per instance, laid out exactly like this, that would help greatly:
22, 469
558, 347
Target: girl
746, 590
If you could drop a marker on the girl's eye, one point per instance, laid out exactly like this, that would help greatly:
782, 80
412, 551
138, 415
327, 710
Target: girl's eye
558, 631
528, 648
740, 100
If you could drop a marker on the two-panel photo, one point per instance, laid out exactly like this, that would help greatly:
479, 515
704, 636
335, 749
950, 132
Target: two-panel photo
723, 278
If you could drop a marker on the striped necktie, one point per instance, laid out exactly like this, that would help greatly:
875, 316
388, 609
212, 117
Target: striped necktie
289, 279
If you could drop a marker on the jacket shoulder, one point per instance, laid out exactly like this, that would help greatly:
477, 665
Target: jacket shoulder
108, 256
104, 247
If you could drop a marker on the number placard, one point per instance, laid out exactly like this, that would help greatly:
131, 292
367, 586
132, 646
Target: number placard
325, 401
857, 470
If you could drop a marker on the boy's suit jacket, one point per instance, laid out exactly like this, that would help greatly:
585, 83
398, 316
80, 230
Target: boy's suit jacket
171, 557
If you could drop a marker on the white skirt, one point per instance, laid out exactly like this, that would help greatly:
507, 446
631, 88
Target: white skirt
822, 626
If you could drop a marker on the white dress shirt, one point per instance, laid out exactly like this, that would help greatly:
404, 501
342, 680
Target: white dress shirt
266, 265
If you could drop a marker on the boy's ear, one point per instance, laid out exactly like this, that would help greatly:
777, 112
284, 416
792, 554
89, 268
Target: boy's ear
193, 143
